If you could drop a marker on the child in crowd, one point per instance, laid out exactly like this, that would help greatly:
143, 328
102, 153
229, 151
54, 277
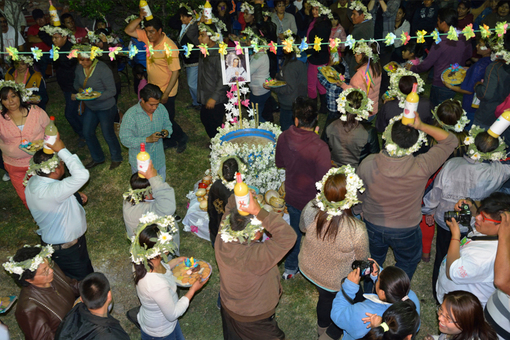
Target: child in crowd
399, 322
337, 31
412, 53
465, 16
140, 73
332, 94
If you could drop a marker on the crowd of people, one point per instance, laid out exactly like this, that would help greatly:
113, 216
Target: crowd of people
349, 197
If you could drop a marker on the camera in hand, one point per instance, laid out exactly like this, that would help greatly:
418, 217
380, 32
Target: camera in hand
161, 134
364, 266
463, 216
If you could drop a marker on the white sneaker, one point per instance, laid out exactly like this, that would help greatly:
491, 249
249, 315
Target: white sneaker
6, 177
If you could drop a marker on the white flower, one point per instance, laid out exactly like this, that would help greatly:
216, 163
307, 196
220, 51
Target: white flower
343, 118
476, 156
469, 140
164, 237
391, 147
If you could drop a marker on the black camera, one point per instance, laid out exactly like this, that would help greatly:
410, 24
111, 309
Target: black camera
463, 216
161, 134
364, 266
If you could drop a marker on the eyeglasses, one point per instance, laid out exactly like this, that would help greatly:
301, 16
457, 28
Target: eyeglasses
445, 316
485, 218
50, 266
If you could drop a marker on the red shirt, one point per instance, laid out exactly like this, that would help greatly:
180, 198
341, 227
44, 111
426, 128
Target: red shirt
34, 30
80, 34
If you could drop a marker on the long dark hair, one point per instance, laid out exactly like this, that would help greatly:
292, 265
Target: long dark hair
402, 320
395, 283
375, 67
150, 232
3, 95
334, 190
467, 311
354, 100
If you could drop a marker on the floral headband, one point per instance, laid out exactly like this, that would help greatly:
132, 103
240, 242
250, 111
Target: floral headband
255, 38
477, 155
396, 151
164, 242
394, 90
32, 264
137, 195
26, 59
46, 167
133, 17
362, 47
499, 52
51, 30
323, 10
461, 123
241, 236
344, 106
358, 6
215, 36
354, 183
20, 88
189, 11
246, 7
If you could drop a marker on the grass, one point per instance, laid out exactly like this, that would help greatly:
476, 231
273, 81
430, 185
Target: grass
109, 249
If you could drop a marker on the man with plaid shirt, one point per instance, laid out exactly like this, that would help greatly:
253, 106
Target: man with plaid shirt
147, 122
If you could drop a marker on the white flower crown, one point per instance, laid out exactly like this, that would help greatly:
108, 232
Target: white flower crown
323, 10
214, 36
396, 151
247, 234
344, 105
461, 123
354, 183
362, 47
31, 264
394, 90
246, 7
47, 167
20, 88
51, 30
358, 6
496, 155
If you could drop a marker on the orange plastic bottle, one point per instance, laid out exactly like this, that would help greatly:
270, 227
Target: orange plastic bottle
50, 136
411, 106
242, 194
142, 160
143, 4
55, 19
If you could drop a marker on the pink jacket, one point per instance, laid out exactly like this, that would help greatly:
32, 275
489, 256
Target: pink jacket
358, 81
11, 136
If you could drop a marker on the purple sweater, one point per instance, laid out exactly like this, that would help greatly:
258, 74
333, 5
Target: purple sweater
442, 55
306, 159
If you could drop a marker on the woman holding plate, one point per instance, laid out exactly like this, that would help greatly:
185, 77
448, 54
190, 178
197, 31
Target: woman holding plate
155, 284
23, 73
20, 121
96, 88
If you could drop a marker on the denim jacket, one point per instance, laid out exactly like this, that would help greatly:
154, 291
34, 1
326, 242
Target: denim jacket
462, 177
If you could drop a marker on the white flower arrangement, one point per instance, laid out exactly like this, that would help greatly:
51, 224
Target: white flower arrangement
164, 243
214, 36
31, 264
25, 58
323, 10
46, 167
246, 235
361, 9
499, 52
136, 196
496, 155
261, 170
189, 10
354, 183
255, 39
362, 47
394, 90
20, 88
344, 106
461, 123
393, 149
246, 7
51, 30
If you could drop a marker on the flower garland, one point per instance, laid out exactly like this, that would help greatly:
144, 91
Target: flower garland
461, 123
255, 39
362, 47
133, 17
32, 264
241, 236
246, 7
499, 52
323, 10
51, 30
164, 243
189, 10
261, 170
231, 107
396, 151
354, 183
20, 88
46, 167
496, 155
358, 6
394, 90
26, 59
241, 168
214, 36
344, 105
136, 196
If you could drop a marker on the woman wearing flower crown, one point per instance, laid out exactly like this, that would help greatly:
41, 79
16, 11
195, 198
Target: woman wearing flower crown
23, 73
351, 138
334, 239
367, 53
154, 280
20, 121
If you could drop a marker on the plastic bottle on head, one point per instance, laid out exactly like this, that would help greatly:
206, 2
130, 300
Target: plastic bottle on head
55, 19
411, 106
145, 6
241, 194
50, 136
142, 160
208, 13
500, 125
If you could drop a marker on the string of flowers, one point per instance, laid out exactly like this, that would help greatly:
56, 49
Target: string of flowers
232, 110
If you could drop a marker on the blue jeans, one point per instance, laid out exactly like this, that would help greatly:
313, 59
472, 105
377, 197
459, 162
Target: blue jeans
72, 116
175, 335
286, 119
291, 263
406, 245
261, 100
161, 171
192, 76
106, 118
440, 94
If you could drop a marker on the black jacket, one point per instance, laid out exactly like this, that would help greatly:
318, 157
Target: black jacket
65, 69
81, 324
321, 29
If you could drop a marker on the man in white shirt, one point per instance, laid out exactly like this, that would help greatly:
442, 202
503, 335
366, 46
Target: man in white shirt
9, 38
55, 207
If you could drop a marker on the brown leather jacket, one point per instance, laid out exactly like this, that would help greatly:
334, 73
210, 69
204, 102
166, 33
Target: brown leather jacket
40, 310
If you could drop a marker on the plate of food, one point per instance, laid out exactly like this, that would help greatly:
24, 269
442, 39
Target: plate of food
454, 75
31, 147
330, 74
190, 270
35, 98
391, 67
88, 94
273, 83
